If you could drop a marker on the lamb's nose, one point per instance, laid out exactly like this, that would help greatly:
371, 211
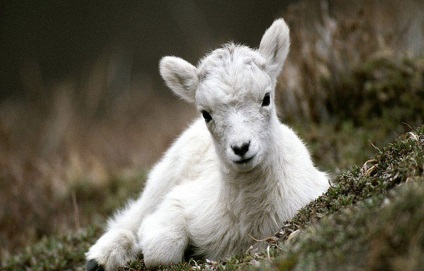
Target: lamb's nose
241, 150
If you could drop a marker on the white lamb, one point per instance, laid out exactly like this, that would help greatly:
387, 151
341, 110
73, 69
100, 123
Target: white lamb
234, 176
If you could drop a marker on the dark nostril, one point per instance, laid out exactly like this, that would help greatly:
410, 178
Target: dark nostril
241, 150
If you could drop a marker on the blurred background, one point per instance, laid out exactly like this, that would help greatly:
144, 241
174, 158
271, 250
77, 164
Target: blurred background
84, 113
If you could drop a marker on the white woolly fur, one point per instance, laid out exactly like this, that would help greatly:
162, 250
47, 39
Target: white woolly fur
230, 178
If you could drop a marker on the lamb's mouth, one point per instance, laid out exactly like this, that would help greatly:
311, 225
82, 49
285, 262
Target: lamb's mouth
244, 161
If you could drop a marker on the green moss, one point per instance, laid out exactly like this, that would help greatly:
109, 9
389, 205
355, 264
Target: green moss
382, 233
362, 222
394, 164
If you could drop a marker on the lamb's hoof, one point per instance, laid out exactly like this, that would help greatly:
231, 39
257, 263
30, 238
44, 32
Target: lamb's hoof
92, 265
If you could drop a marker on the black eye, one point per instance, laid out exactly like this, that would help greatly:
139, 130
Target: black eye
267, 100
206, 116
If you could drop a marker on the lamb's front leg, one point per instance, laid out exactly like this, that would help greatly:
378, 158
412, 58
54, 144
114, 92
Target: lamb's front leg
120, 242
163, 235
115, 248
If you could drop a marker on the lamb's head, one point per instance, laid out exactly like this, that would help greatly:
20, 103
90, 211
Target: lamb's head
233, 88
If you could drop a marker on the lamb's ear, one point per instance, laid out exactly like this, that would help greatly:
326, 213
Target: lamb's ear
180, 76
274, 46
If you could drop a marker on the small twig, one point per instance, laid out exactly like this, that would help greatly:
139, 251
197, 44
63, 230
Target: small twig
257, 240
410, 127
267, 253
375, 147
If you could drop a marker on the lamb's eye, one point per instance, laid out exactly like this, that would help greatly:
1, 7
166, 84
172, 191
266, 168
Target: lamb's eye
206, 116
267, 100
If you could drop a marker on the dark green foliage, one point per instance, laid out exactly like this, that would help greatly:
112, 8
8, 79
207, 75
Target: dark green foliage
381, 89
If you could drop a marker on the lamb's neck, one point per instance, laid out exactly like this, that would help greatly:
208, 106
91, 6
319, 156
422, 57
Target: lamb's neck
251, 200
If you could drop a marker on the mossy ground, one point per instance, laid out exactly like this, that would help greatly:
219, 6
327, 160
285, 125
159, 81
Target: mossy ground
371, 219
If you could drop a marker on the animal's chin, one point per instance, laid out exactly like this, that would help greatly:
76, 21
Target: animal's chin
245, 164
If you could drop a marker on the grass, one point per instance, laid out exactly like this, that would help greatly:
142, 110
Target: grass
381, 233
371, 220
394, 164
62, 252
